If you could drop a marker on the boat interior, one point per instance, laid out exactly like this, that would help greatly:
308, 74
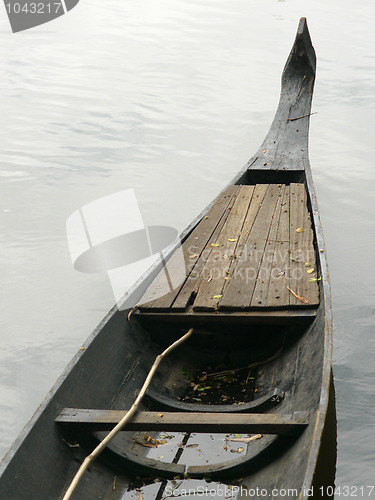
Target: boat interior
240, 376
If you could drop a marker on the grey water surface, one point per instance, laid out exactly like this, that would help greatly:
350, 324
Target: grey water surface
171, 98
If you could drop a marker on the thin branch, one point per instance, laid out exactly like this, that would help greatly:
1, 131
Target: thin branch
251, 365
302, 299
299, 117
127, 417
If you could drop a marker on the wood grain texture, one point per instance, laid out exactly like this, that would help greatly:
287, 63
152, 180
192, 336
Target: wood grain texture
253, 250
193, 281
261, 290
192, 248
302, 256
216, 269
239, 291
278, 294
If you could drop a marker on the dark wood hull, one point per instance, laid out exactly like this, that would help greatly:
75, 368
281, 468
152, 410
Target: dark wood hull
108, 373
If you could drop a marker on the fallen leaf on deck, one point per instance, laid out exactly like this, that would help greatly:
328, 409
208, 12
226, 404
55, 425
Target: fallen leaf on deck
311, 270
214, 245
307, 264
311, 280
147, 445
232, 239
193, 256
299, 230
217, 296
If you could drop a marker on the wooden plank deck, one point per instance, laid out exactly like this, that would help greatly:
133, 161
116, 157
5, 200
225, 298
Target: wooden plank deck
253, 250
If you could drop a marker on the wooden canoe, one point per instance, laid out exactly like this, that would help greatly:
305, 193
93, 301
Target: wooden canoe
256, 290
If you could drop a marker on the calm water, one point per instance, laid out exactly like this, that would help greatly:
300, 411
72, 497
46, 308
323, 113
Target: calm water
172, 98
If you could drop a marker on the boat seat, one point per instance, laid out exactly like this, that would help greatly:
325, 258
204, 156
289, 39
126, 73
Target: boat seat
258, 423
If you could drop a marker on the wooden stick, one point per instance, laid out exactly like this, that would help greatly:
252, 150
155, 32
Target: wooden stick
251, 365
299, 117
302, 299
90, 458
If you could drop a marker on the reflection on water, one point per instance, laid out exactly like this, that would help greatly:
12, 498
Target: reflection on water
325, 472
171, 99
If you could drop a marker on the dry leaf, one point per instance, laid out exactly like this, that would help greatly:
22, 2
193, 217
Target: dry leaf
307, 264
299, 230
193, 256
217, 296
247, 439
160, 414
311, 270
147, 445
232, 239
239, 450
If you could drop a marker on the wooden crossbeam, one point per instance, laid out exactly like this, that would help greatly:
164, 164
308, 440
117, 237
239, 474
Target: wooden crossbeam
274, 317
188, 421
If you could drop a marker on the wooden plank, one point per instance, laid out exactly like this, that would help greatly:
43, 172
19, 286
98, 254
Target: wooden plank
193, 245
302, 256
256, 202
260, 294
216, 268
239, 290
191, 284
278, 293
264, 316
262, 423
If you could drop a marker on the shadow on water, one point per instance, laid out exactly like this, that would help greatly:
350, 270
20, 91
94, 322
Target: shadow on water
324, 478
